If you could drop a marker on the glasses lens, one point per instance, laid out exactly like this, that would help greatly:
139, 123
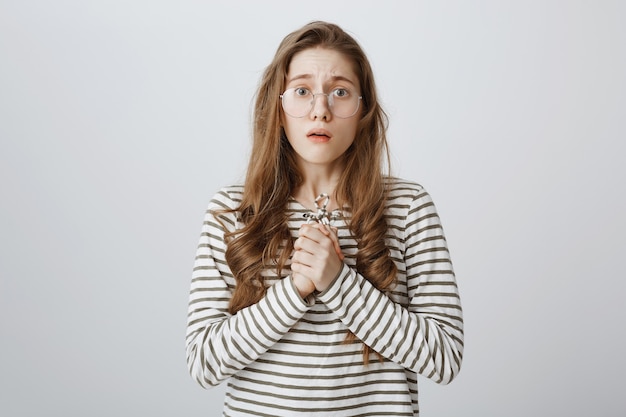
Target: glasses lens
298, 102
343, 103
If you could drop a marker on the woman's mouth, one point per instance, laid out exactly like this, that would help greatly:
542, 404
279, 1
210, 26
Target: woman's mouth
319, 135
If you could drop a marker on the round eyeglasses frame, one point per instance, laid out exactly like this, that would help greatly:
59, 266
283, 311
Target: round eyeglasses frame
329, 102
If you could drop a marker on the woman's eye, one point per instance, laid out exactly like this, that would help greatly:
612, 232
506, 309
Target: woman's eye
340, 92
301, 92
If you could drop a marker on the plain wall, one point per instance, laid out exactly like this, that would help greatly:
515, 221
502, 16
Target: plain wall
120, 119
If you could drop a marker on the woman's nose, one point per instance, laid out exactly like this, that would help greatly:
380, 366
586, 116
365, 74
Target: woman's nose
321, 108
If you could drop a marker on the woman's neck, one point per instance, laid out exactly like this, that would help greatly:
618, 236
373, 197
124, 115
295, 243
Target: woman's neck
316, 182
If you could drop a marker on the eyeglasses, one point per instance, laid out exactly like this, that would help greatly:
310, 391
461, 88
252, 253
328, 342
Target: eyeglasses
298, 102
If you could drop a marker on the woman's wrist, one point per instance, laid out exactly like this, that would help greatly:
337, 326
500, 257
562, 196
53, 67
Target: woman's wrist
303, 285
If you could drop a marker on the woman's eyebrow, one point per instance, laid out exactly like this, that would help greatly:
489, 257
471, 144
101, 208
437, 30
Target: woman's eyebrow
309, 76
300, 77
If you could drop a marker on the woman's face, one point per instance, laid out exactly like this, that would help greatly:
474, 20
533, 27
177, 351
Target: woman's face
320, 138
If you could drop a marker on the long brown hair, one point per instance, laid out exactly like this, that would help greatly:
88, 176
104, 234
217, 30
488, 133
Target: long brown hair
265, 241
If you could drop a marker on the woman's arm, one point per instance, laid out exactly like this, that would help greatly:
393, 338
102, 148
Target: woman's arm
220, 344
426, 336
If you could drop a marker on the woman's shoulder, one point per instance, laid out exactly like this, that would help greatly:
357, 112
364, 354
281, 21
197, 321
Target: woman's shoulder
399, 188
407, 198
228, 197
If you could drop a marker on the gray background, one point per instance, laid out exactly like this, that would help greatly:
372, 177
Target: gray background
120, 119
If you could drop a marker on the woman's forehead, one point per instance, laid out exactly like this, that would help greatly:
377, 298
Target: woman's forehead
316, 63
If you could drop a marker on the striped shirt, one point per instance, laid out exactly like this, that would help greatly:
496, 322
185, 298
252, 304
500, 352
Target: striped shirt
286, 356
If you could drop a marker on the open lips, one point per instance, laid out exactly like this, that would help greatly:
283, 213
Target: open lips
319, 133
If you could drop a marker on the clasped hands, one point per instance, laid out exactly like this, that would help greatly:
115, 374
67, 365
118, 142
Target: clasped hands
317, 258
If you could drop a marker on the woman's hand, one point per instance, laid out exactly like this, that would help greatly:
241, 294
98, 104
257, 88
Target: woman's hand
317, 257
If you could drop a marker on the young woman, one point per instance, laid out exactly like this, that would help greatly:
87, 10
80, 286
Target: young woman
321, 286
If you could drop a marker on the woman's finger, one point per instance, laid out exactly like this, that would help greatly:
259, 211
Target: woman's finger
332, 233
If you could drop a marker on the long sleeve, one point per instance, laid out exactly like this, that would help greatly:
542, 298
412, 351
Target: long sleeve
425, 335
220, 344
